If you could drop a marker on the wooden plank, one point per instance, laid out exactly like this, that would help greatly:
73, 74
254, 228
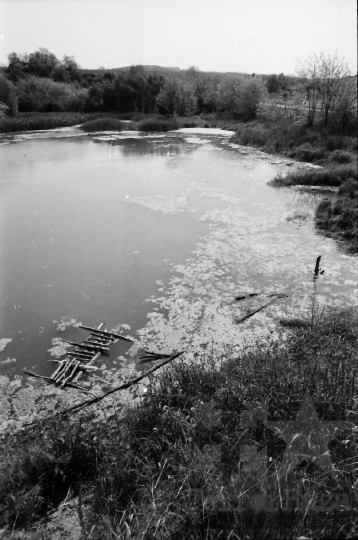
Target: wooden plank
105, 333
81, 353
86, 345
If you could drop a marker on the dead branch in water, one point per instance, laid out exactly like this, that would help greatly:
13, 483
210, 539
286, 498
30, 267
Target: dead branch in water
245, 317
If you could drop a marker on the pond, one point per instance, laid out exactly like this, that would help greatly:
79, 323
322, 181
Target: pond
158, 233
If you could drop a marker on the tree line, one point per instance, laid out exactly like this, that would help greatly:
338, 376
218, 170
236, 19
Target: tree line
41, 82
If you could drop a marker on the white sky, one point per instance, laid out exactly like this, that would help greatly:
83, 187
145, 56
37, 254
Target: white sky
261, 36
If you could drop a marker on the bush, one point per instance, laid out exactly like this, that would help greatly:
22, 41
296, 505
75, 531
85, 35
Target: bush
349, 188
103, 124
306, 153
158, 125
340, 156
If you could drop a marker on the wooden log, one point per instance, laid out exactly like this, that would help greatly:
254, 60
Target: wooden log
67, 367
105, 333
86, 345
96, 357
62, 369
77, 363
99, 343
100, 339
86, 367
81, 353
51, 381
58, 369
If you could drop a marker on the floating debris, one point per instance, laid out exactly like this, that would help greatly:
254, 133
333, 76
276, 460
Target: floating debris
81, 357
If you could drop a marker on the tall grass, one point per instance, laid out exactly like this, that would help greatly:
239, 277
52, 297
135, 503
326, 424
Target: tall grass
170, 467
155, 124
339, 218
40, 121
332, 176
310, 144
103, 124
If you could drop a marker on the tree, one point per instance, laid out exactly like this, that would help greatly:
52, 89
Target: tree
323, 78
227, 95
332, 72
345, 112
72, 68
16, 66
273, 84
176, 97
308, 72
125, 96
137, 80
60, 74
44, 94
166, 100
8, 95
252, 92
41, 63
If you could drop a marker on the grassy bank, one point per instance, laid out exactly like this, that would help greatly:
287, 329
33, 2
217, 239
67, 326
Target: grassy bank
299, 142
38, 121
178, 464
337, 217
328, 176
142, 122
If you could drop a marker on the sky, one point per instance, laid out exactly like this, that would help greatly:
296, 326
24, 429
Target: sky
247, 36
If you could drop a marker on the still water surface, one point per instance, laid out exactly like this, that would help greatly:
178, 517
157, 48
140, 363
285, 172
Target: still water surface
159, 233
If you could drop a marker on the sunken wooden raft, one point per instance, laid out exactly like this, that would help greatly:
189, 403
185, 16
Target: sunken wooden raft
82, 357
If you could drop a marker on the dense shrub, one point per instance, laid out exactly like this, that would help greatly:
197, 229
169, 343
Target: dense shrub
306, 153
340, 156
158, 125
103, 124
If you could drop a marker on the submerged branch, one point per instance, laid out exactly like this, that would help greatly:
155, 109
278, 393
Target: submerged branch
245, 317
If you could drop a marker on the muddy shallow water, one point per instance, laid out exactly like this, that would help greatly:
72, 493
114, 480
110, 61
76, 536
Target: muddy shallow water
158, 233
